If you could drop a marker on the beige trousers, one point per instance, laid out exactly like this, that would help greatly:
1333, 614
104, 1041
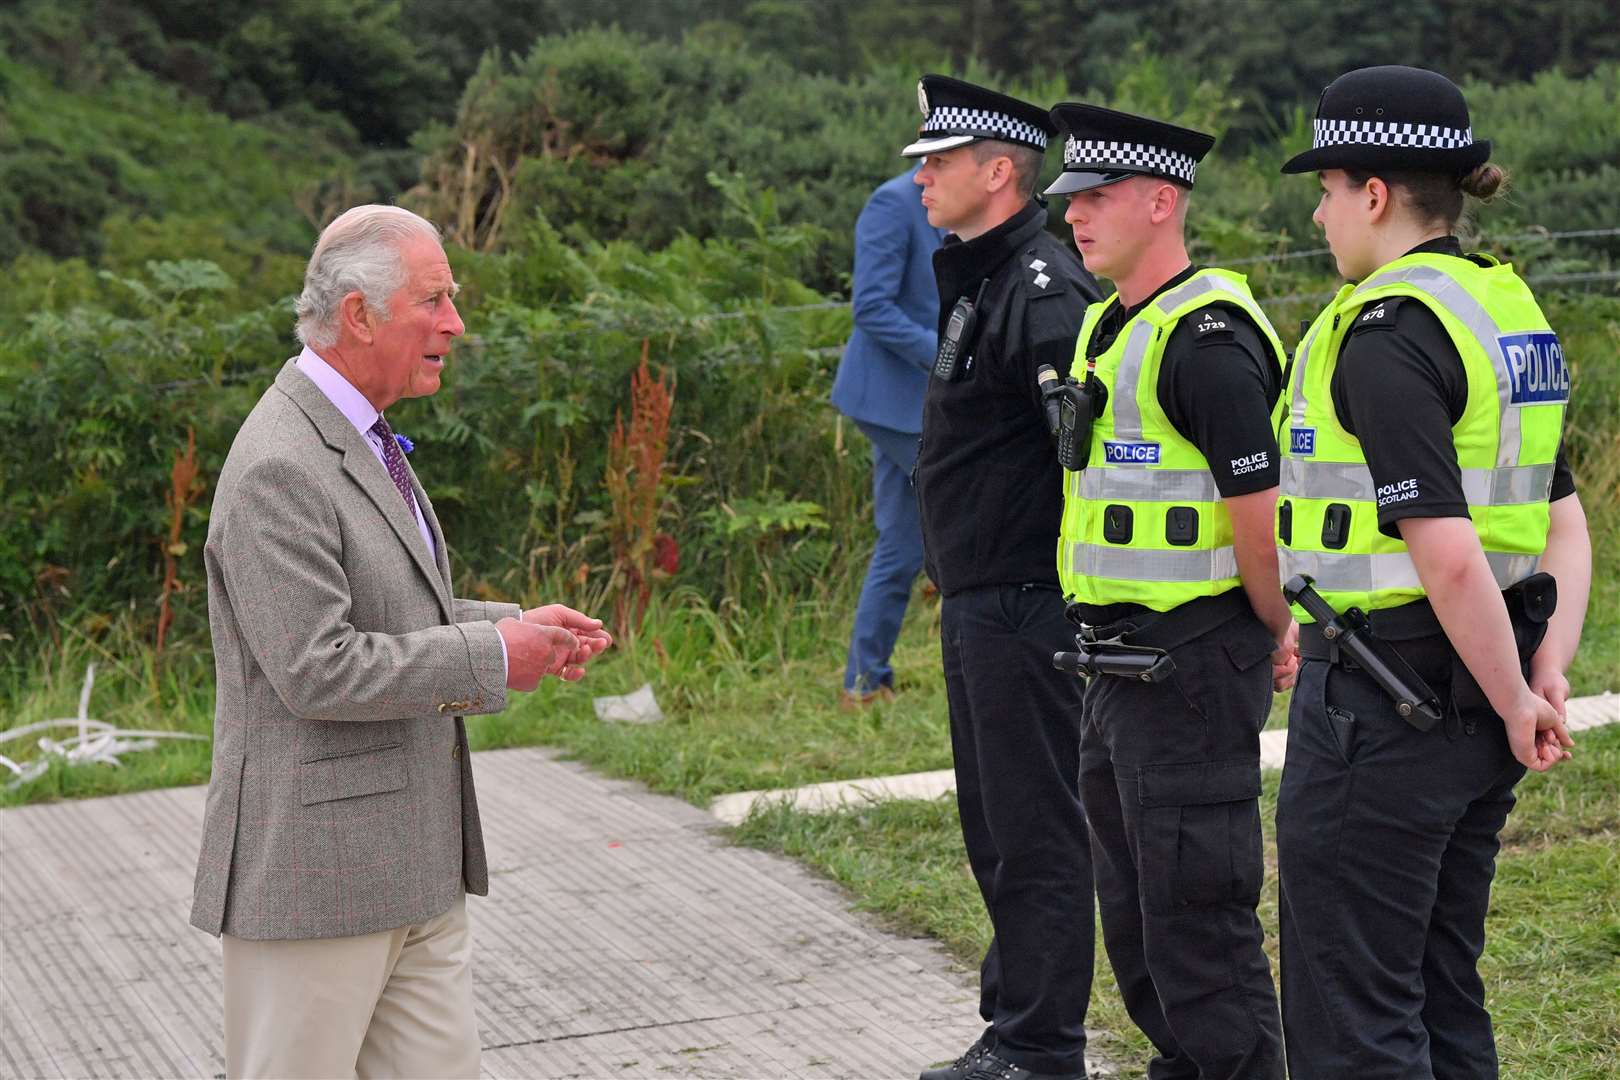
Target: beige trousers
392, 1004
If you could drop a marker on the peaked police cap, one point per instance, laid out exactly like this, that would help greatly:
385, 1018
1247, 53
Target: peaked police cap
956, 113
1392, 117
1105, 146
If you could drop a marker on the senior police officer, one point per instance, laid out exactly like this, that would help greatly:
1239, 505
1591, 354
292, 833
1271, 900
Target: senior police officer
1010, 300
1424, 484
1167, 550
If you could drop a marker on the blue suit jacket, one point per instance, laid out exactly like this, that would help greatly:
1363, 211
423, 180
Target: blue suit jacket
885, 368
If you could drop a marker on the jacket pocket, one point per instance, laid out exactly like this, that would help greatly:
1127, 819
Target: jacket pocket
369, 771
1200, 835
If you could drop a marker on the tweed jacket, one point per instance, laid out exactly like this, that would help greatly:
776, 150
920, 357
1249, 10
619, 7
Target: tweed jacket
341, 800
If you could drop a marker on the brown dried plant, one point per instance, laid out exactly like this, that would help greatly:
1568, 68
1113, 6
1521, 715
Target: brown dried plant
635, 469
184, 489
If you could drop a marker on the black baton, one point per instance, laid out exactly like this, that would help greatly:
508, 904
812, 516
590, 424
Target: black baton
1112, 658
1352, 633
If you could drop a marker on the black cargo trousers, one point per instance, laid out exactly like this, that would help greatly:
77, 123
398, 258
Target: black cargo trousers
1386, 847
1015, 740
1170, 779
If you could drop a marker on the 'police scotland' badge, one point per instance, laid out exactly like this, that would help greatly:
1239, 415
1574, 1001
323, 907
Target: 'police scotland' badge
922, 97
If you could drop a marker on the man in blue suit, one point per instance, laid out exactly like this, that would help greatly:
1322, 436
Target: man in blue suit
880, 386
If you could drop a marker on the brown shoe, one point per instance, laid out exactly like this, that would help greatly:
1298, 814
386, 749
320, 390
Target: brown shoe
850, 701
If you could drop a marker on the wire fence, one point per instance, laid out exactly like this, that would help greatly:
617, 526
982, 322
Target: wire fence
1534, 279
1510, 238
475, 341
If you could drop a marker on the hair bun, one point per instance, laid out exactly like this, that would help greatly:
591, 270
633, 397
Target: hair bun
1484, 182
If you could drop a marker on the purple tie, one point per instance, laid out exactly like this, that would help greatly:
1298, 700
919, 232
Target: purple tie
395, 461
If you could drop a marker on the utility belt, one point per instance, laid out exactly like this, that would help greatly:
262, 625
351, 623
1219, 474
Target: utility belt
1139, 646
1530, 603
1358, 641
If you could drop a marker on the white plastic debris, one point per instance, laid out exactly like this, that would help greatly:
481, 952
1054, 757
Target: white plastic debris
637, 707
96, 741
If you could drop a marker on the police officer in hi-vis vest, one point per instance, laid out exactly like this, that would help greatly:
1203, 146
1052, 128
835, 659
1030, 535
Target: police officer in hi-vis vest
1423, 484
1167, 552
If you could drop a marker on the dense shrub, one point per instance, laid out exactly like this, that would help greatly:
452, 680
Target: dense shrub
96, 403
641, 188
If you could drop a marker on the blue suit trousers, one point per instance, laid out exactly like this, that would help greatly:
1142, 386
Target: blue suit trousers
896, 560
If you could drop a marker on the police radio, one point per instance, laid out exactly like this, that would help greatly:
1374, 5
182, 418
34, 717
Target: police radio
952, 361
1070, 408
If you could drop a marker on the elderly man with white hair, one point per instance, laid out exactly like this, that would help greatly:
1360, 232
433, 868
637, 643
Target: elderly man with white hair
341, 834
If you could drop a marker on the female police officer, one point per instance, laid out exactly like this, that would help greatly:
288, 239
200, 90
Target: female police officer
1423, 483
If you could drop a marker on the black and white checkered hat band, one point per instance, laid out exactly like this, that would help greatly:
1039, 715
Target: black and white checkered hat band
953, 120
1386, 133
1102, 154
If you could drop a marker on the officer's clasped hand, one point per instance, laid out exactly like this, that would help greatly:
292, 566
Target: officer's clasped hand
1536, 732
1285, 660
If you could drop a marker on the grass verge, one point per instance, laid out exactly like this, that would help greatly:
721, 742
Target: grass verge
750, 698
1551, 965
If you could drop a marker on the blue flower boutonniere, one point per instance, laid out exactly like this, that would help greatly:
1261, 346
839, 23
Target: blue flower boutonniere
404, 444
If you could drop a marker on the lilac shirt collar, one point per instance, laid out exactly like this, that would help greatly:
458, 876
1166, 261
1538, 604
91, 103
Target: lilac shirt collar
359, 412
340, 391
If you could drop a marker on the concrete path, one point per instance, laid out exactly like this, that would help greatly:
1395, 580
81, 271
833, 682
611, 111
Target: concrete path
1585, 712
622, 938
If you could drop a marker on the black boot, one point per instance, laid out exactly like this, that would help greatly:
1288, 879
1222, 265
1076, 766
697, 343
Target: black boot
958, 1069
991, 1067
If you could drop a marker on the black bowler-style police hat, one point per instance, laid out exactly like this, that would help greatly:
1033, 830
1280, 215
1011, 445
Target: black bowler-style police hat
956, 113
1392, 117
1105, 146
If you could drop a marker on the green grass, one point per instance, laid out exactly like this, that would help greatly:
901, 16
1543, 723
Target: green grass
740, 718
751, 701
750, 698
1551, 965
134, 689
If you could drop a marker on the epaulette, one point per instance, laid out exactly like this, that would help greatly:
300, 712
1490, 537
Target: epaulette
1038, 277
1212, 325
1379, 315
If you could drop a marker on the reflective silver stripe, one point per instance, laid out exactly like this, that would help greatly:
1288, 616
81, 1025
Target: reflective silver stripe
1127, 414
1301, 356
1450, 294
1509, 568
1153, 564
1168, 302
1346, 480
1506, 487
1123, 483
1228, 294
1338, 572
1351, 482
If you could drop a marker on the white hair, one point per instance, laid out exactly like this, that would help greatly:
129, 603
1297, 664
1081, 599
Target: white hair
358, 252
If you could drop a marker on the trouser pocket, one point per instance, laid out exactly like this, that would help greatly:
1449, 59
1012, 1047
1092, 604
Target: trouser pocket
1199, 835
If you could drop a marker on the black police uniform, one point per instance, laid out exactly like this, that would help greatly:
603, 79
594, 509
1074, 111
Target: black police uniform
1359, 969
1387, 835
1178, 881
989, 493
1170, 771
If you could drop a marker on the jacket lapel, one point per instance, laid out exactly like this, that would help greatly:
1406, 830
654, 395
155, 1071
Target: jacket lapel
441, 555
368, 474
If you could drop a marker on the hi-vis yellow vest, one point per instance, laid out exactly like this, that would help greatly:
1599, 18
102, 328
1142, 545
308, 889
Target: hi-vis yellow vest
1143, 522
1506, 440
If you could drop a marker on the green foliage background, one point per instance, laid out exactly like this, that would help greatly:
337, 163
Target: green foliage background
165, 164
